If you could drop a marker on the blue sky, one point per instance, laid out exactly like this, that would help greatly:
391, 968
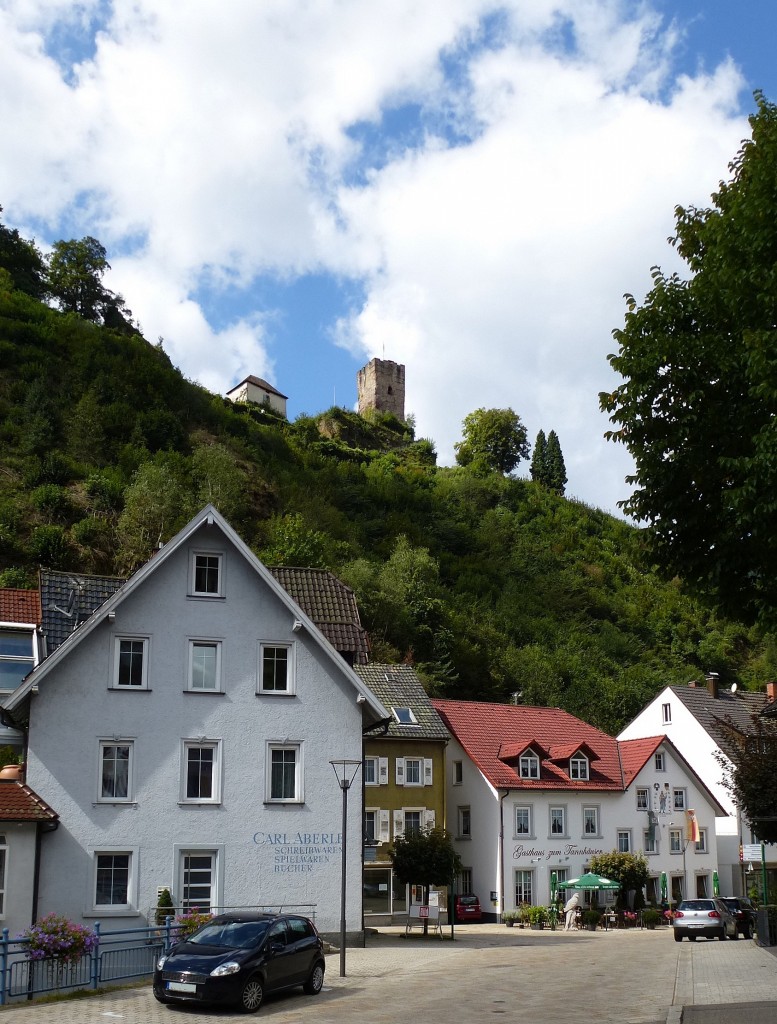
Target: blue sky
464, 186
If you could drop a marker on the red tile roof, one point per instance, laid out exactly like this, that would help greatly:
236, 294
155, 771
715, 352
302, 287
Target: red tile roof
19, 803
491, 732
20, 605
635, 754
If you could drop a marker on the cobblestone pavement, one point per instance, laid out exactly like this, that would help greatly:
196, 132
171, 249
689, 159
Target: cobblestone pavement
628, 977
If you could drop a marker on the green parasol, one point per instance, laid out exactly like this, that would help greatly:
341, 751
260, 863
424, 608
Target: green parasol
715, 884
589, 881
663, 886
553, 886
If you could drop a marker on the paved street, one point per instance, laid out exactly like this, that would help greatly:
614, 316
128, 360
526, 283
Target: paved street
628, 977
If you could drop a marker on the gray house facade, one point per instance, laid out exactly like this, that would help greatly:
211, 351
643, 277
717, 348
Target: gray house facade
184, 733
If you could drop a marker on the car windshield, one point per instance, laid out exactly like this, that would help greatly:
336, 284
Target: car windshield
470, 900
231, 934
697, 905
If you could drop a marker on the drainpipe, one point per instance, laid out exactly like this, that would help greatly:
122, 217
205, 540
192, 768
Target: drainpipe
502, 852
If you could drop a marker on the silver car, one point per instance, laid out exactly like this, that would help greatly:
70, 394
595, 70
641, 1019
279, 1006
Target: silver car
708, 917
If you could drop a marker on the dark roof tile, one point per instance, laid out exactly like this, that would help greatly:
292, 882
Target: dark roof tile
397, 686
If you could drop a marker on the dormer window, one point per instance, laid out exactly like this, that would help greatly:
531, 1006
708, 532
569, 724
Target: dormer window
578, 767
529, 765
404, 716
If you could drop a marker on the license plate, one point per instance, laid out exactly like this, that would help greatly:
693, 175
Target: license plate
180, 986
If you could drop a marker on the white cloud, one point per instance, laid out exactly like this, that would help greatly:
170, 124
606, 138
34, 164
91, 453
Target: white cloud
214, 144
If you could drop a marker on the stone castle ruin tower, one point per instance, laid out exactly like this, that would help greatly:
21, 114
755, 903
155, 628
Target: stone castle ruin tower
381, 385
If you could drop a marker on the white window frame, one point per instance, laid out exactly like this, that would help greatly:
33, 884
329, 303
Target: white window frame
26, 663
597, 821
557, 809
130, 908
530, 820
702, 846
649, 846
291, 668
579, 768
404, 716
679, 799
414, 766
194, 592
198, 744
371, 767
529, 765
643, 805
675, 841
523, 885
373, 814
666, 714
464, 822
145, 641
659, 761
194, 643
623, 838
3, 873
216, 853
299, 795
116, 741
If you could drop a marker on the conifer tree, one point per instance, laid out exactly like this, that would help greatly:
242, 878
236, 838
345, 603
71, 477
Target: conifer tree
555, 470
539, 458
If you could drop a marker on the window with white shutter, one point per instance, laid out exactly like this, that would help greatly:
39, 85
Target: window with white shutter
383, 771
427, 771
400, 771
399, 824
429, 819
383, 826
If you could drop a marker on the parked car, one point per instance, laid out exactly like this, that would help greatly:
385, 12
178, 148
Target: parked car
467, 908
237, 958
708, 917
744, 913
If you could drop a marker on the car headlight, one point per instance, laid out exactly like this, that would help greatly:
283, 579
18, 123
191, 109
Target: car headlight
230, 967
161, 961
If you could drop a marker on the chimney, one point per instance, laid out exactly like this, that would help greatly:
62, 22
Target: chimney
771, 691
712, 683
693, 683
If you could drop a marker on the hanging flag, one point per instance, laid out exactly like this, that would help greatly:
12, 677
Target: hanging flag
692, 827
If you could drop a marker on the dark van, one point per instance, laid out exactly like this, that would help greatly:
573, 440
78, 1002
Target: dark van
466, 908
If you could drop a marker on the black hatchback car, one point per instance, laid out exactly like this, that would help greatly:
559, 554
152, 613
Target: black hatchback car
236, 958
744, 912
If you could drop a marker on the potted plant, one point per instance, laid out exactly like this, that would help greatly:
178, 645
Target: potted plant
591, 919
651, 917
537, 916
511, 917
164, 907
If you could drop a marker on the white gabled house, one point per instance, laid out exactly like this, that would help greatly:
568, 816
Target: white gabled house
698, 718
535, 792
184, 733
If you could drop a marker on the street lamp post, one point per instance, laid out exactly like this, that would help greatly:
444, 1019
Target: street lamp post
345, 772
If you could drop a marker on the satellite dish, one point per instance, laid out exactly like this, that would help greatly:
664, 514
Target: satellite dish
733, 687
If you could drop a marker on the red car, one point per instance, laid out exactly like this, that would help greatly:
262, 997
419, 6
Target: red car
466, 908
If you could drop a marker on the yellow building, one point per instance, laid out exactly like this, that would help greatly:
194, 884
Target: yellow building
404, 784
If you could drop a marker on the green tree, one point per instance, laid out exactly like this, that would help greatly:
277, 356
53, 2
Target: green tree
219, 480
539, 454
494, 439
698, 404
750, 774
23, 261
156, 504
629, 869
555, 470
425, 857
75, 272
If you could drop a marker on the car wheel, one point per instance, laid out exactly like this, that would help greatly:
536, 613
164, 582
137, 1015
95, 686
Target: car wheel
315, 982
678, 937
251, 996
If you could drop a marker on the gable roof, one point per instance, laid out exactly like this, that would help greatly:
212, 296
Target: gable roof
330, 604
209, 516
259, 383
486, 731
22, 606
636, 753
716, 714
20, 803
397, 686
67, 599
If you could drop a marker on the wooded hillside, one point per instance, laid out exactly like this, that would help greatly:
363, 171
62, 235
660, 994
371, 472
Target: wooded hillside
492, 586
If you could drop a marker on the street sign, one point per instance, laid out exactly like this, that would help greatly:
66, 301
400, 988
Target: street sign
751, 851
